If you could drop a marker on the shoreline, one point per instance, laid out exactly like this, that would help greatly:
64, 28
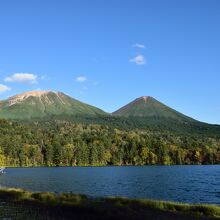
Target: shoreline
48, 205
155, 165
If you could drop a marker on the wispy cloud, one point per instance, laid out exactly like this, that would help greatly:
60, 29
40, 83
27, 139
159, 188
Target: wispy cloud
81, 79
4, 88
141, 46
138, 60
22, 78
44, 77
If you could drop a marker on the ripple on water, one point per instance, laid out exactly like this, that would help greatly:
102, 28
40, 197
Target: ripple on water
195, 184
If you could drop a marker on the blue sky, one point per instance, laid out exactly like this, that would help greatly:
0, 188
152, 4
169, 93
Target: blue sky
107, 53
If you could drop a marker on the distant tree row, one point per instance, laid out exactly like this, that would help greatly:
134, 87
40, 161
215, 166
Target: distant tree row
61, 143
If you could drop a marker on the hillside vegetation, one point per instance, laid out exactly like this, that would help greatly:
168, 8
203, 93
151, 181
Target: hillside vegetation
22, 205
147, 106
62, 143
53, 129
39, 104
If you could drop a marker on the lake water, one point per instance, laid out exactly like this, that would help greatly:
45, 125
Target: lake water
193, 184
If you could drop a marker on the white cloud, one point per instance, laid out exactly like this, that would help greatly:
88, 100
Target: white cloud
139, 60
4, 88
141, 46
22, 78
81, 79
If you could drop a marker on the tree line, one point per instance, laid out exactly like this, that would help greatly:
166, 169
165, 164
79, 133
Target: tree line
62, 143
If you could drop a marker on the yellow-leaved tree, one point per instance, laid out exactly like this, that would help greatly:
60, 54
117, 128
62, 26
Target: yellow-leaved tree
2, 158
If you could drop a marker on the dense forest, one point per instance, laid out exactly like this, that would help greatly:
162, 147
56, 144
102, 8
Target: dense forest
63, 143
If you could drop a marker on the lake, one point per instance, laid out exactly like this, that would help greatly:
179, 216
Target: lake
193, 184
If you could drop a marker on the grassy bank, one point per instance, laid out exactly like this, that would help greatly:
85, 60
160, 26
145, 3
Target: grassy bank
19, 204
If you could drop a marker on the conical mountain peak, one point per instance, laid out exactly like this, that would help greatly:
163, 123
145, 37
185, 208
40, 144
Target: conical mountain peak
39, 104
147, 106
144, 98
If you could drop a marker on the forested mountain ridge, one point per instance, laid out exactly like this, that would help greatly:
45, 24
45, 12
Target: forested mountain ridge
52, 129
39, 104
147, 106
142, 113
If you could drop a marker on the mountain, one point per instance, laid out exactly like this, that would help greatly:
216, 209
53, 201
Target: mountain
39, 104
147, 106
143, 113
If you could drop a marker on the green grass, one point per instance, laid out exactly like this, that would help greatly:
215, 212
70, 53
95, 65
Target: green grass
46, 205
